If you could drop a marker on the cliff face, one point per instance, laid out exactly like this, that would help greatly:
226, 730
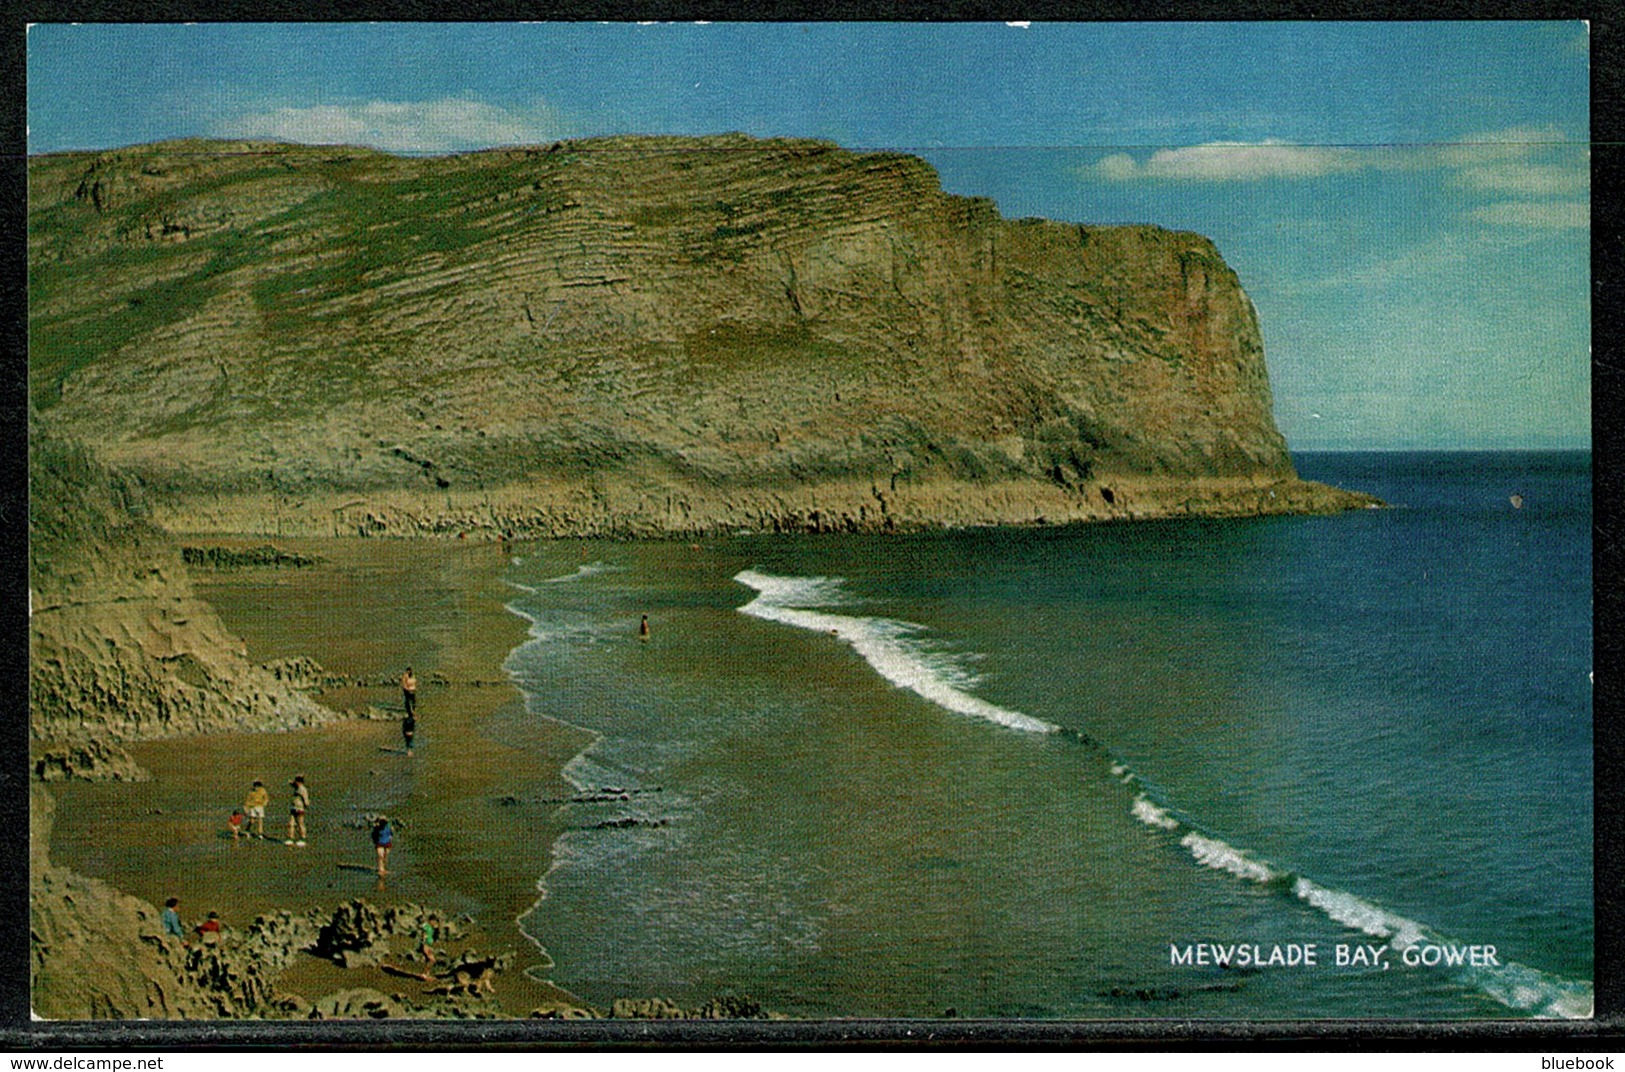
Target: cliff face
630, 334
119, 646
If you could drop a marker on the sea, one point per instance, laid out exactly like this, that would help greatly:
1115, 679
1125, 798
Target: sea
1263, 768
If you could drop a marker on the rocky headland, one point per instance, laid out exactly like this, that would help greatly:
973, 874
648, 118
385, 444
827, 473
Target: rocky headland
631, 336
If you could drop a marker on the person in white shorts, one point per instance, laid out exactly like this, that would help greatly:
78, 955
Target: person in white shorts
254, 807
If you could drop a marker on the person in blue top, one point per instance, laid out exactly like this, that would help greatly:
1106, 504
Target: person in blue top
172, 919
383, 835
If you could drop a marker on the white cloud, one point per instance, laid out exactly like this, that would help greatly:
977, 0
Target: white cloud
1528, 178
1118, 167
1532, 160
1543, 214
1531, 177
1231, 161
447, 125
1521, 162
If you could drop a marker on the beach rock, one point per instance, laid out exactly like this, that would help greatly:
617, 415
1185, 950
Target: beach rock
646, 1009
91, 760
718, 1008
275, 939
97, 953
233, 976
361, 1003
563, 1011
633, 336
349, 935
229, 558
299, 671
121, 649
358, 934
628, 821
287, 1005
730, 1008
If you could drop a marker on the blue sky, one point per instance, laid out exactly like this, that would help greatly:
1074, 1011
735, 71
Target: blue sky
1407, 203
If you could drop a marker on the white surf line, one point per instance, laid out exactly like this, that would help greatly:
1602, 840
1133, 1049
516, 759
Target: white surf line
535, 635
1517, 986
591, 569
882, 642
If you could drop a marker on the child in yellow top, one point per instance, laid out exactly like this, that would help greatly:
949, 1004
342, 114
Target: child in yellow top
254, 806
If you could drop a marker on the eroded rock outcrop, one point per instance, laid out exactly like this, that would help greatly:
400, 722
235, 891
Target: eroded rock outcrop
98, 953
632, 336
120, 648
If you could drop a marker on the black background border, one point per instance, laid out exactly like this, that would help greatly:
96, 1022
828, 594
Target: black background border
1605, 1032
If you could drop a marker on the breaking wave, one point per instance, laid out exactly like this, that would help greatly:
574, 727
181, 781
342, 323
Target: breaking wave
895, 650
1517, 986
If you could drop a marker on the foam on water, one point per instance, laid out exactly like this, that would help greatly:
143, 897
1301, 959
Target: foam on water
902, 653
1351, 911
1517, 986
591, 569
577, 629
1211, 852
892, 648
1151, 815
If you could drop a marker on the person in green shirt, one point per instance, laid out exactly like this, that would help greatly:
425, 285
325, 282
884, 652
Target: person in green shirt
431, 931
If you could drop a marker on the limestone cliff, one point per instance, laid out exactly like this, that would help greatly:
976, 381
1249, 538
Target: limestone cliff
634, 335
120, 648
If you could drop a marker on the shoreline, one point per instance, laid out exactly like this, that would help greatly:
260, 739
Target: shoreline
650, 508
551, 861
363, 613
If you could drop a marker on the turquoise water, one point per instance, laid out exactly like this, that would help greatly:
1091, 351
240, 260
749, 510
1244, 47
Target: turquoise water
1002, 773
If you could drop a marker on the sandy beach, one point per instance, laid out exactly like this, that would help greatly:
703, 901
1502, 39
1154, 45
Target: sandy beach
369, 609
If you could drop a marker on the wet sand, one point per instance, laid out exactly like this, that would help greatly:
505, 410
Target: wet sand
368, 610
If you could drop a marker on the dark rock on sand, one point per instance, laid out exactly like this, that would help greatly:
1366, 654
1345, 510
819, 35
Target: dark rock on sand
719, 1008
361, 1003
90, 759
628, 821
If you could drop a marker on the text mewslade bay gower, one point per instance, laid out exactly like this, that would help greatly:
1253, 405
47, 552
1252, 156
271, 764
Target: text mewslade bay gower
1342, 955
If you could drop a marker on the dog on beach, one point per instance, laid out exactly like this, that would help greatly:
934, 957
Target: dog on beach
472, 977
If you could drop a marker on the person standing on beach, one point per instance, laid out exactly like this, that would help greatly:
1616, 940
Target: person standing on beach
409, 692
296, 813
254, 806
431, 931
171, 919
383, 836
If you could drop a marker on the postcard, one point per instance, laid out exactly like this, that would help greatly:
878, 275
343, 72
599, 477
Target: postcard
779, 523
